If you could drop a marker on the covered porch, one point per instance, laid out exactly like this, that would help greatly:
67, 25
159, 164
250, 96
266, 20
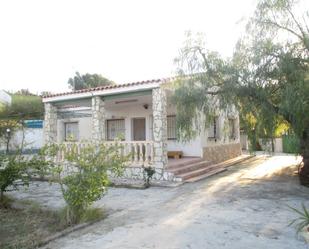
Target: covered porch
139, 120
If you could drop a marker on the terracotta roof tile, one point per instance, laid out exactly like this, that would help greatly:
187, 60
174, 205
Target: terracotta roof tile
99, 88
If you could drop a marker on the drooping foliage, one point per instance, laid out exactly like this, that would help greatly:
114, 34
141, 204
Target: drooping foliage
87, 80
267, 78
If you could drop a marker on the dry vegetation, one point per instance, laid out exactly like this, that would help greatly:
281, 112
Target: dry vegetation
28, 227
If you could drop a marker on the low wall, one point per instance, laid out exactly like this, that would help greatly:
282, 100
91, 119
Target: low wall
220, 153
139, 174
33, 140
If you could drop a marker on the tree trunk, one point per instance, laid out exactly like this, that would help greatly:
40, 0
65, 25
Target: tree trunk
1, 196
304, 151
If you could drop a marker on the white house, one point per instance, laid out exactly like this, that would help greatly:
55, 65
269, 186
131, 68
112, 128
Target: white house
143, 115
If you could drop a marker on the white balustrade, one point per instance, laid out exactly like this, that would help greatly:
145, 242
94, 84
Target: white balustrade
141, 153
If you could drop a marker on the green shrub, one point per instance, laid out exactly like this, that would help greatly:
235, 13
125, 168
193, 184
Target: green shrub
148, 174
290, 144
14, 172
84, 179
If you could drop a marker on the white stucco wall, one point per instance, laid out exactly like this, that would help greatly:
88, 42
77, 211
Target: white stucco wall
128, 113
84, 127
33, 139
192, 148
136, 109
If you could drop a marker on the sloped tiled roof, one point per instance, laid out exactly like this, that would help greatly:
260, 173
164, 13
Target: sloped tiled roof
100, 88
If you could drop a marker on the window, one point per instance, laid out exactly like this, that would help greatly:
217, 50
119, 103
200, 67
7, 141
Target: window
71, 131
213, 128
231, 128
115, 129
171, 127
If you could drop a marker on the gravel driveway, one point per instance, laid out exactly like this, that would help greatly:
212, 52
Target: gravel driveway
244, 207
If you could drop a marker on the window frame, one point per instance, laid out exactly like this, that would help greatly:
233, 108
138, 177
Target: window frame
65, 131
175, 127
107, 131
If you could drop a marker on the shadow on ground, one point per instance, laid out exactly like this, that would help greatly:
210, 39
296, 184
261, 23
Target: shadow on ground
244, 207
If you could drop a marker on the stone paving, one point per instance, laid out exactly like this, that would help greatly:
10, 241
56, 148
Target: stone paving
244, 207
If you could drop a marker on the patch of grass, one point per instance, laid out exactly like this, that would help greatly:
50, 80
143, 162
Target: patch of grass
90, 215
93, 214
5, 202
26, 228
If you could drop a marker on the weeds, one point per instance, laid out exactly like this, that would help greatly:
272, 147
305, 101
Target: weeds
303, 220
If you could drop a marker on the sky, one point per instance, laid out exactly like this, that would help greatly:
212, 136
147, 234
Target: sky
44, 42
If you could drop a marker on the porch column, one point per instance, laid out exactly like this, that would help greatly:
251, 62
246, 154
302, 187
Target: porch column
159, 103
98, 119
50, 123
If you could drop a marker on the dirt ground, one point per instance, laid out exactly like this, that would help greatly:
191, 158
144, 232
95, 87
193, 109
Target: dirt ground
244, 207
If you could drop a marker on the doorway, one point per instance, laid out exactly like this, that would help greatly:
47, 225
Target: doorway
139, 129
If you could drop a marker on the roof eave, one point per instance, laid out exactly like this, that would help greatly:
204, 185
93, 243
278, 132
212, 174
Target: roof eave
103, 92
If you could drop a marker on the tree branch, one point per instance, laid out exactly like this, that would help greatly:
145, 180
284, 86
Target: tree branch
281, 27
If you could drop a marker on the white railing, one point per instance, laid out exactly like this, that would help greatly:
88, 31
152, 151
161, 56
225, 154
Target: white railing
141, 153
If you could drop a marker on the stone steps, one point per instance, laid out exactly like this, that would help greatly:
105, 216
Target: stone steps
179, 164
208, 169
198, 169
210, 173
190, 167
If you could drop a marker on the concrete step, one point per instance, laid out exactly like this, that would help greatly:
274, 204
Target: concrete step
218, 168
176, 164
197, 172
235, 160
190, 167
208, 174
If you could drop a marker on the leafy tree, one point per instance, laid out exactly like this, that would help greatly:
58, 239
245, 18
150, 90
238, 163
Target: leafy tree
45, 93
87, 80
267, 78
15, 169
24, 92
24, 107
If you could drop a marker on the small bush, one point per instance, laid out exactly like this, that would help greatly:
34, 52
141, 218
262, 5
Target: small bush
148, 174
13, 173
84, 179
16, 170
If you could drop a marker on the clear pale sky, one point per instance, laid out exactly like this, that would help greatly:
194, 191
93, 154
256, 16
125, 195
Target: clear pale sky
43, 42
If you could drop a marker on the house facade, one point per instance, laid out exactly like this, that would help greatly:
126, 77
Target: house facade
142, 116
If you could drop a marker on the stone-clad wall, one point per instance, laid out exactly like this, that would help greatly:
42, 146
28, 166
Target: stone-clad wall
50, 123
98, 119
137, 173
220, 153
159, 104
